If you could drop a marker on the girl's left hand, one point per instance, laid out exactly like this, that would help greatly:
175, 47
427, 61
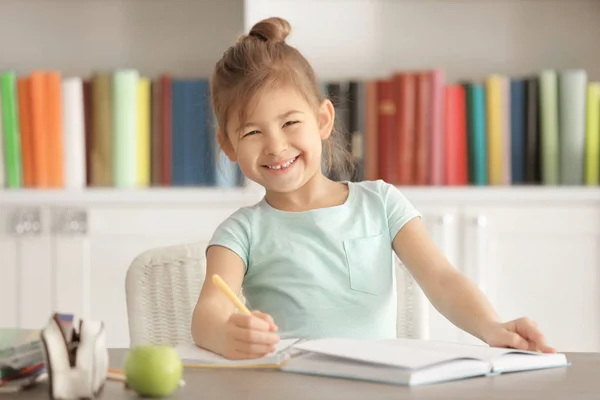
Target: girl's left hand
521, 333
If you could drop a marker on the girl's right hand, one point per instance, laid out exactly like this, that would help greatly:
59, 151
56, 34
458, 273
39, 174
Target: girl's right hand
250, 336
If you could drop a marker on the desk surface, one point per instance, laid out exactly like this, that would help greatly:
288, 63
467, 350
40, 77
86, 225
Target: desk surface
578, 381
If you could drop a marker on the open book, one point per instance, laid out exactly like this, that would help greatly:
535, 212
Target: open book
395, 361
410, 361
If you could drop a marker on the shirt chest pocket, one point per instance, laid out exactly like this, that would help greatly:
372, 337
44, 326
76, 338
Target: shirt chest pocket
369, 262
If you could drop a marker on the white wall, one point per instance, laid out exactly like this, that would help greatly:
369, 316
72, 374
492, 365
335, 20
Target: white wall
468, 38
185, 37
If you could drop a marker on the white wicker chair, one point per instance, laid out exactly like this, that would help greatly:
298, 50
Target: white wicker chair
162, 287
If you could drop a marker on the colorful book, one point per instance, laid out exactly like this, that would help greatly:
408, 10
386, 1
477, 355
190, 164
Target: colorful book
495, 129
143, 132
549, 117
10, 130
477, 134
124, 128
532, 132
572, 121
455, 136
517, 130
101, 148
54, 130
27, 159
506, 135
436, 150
39, 129
592, 139
74, 133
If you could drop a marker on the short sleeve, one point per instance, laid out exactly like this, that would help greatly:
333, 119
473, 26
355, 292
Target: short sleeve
234, 234
399, 210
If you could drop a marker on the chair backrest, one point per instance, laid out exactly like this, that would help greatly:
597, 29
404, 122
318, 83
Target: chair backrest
162, 287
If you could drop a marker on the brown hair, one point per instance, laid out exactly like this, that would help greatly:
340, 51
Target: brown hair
260, 60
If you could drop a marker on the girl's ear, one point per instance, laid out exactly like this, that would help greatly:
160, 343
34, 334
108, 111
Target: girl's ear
226, 146
326, 118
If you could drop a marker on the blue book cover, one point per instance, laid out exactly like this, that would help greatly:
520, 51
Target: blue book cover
517, 130
193, 141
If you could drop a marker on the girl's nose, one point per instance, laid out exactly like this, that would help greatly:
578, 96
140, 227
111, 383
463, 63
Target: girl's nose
276, 144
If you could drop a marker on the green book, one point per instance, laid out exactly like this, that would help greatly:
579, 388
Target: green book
11, 130
549, 114
124, 113
572, 118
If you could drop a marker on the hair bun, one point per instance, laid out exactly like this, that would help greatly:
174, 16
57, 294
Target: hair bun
272, 29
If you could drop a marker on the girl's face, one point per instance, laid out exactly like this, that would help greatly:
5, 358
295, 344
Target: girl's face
280, 145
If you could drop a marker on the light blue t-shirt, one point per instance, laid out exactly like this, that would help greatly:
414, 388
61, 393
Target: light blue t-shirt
326, 272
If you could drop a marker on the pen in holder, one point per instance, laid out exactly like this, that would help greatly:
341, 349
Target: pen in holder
76, 359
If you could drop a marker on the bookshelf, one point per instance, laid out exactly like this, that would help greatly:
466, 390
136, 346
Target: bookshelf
469, 39
496, 235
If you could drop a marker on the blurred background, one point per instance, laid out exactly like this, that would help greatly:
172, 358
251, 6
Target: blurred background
485, 113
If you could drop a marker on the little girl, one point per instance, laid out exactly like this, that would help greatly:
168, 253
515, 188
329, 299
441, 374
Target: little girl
314, 256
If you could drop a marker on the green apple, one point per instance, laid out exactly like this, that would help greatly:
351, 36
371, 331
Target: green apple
153, 370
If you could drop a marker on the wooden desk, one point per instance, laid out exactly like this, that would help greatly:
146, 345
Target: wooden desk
578, 381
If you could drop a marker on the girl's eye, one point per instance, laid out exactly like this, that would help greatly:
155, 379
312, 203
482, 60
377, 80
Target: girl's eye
249, 133
290, 123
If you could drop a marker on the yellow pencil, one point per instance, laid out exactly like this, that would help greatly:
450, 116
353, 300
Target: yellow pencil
220, 283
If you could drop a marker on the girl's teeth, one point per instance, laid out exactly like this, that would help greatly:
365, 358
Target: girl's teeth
284, 165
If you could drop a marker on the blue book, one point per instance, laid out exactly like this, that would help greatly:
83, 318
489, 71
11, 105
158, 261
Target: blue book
193, 141
517, 130
179, 137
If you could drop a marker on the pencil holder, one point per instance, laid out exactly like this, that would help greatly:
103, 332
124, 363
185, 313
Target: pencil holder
76, 359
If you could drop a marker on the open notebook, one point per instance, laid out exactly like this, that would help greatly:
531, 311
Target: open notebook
194, 356
410, 361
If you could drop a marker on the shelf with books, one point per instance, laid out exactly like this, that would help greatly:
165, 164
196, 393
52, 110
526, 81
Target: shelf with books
127, 131
515, 43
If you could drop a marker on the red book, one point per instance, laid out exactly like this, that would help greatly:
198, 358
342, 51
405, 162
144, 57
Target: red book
423, 127
455, 136
27, 154
405, 127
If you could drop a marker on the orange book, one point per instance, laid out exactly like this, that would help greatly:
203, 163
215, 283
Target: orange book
39, 136
23, 93
55, 130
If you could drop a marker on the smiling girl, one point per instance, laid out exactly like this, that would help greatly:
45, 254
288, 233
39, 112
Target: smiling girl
314, 256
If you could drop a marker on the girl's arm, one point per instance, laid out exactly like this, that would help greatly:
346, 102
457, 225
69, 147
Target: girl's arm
213, 309
456, 297
216, 327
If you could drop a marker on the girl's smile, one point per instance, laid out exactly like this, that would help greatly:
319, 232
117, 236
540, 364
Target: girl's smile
282, 167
